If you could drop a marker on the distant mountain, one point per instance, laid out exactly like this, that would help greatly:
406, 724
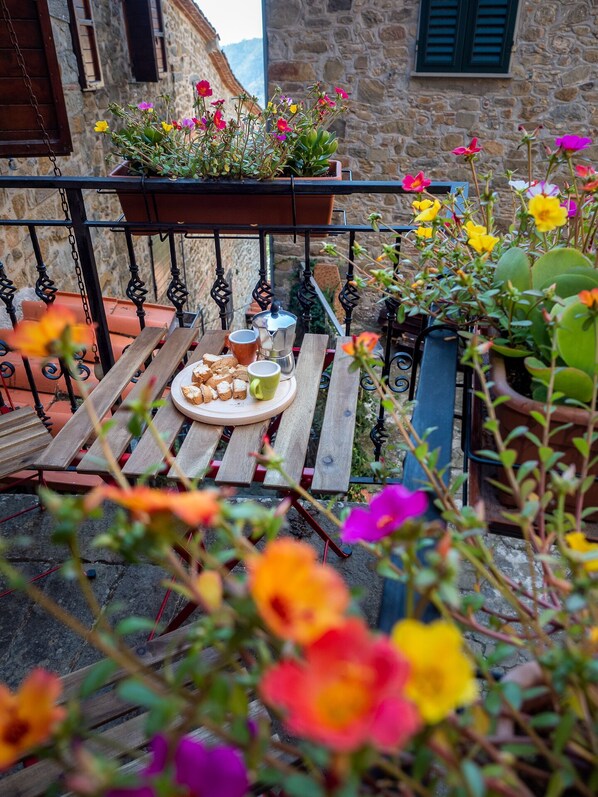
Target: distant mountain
247, 61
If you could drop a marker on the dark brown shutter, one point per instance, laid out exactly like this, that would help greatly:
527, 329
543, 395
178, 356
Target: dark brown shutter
145, 33
20, 131
85, 44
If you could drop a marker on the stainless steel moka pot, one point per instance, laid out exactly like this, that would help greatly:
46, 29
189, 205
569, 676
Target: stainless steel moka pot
276, 329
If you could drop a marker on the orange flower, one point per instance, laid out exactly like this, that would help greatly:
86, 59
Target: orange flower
347, 693
298, 598
589, 298
29, 716
56, 333
362, 345
195, 508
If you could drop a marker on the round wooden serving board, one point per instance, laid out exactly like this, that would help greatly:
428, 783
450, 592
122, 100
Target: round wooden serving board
234, 412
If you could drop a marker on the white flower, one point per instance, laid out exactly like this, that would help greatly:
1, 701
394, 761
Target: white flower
519, 185
546, 189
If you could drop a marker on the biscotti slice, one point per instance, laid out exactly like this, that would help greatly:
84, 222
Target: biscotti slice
225, 391
193, 393
225, 376
208, 393
201, 374
239, 389
240, 372
210, 359
224, 364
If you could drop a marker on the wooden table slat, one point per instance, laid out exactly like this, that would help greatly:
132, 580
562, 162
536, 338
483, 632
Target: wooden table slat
78, 429
147, 457
238, 466
197, 450
154, 379
293, 433
17, 419
333, 461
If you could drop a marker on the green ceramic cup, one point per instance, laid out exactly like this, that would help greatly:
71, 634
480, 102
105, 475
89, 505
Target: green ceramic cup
264, 378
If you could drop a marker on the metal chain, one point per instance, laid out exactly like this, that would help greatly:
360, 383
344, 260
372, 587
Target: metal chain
55, 167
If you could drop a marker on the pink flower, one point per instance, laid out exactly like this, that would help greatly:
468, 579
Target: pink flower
217, 103
146, 106
282, 126
219, 121
585, 172
386, 513
415, 184
571, 144
341, 93
570, 206
203, 88
325, 100
468, 151
200, 122
188, 123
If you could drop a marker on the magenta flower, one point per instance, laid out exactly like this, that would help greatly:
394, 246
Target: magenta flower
146, 106
188, 123
217, 103
415, 184
204, 89
387, 511
570, 206
200, 771
469, 150
218, 120
341, 93
571, 144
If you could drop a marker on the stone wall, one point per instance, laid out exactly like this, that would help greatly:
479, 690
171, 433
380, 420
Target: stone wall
193, 54
400, 122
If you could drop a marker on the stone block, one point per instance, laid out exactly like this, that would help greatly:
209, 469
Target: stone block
334, 70
577, 75
591, 56
392, 33
371, 91
284, 15
566, 94
295, 71
339, 5
466, 119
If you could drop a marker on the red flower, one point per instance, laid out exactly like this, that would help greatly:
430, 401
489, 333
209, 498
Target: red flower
175, 124
325, 100
218, 120
341, 93
591, 186
415, 184
468, 151
362, 344
584, 171
348, 691
204, 89
199, 122
283, 126
217, 103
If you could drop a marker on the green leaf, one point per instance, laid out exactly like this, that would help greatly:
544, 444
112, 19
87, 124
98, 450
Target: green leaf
138, 694
512, 694
473, 778
97, 677
581, 444
131, 625
508, 457
563, 732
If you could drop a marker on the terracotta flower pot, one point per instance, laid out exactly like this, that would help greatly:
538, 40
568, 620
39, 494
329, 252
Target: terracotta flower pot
516, 412
225, 209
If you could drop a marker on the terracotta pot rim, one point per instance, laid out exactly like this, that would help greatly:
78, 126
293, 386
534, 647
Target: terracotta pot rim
501, 387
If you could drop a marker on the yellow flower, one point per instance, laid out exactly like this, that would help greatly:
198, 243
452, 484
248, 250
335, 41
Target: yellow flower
577, 541
547, 212
101, 127
423, 205
29, 716
298, 598
424, 232
483, 243
593, 636
429, 213
166, 127
208, 585
474, 229
441, 675
293, 109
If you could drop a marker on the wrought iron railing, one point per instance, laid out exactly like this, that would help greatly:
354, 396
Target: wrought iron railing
84, 228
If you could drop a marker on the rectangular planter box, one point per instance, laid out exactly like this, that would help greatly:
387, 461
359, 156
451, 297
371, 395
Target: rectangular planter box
225, 209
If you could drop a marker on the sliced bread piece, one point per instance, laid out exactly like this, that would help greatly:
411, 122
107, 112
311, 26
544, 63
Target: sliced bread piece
240, 372
192, 393
224, 376
239, 389
201, 374
208, 394
225, 391
224, 364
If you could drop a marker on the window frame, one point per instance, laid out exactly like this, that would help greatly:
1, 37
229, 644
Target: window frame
86, 82
462, 67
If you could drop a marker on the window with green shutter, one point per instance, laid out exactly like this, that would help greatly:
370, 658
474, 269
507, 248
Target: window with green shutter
466, 35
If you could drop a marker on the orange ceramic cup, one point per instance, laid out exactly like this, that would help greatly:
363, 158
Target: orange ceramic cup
243, 344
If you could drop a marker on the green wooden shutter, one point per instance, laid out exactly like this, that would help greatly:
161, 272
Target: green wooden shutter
490, 36
440, 26
465, 35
